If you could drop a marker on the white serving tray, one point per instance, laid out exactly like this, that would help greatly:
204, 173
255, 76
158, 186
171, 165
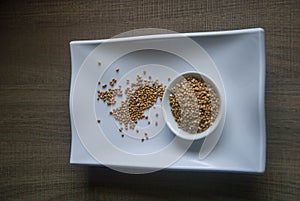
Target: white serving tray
239, 56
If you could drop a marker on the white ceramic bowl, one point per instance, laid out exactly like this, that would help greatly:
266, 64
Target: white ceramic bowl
169, 118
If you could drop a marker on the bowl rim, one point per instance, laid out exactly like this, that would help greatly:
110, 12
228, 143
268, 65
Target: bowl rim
179, 132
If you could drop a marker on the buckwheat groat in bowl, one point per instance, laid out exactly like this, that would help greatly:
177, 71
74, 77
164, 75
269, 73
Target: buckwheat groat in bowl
192, 105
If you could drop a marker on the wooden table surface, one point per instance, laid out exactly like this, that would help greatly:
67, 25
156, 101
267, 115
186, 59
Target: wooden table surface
35, 131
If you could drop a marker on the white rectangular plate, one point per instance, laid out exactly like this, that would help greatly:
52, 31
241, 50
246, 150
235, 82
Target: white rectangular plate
240, 58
